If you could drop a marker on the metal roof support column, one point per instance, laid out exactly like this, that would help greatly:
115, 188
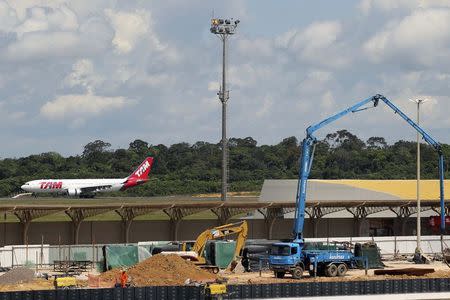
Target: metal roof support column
223, 214
176, 215
271, 214
269, 226
359, 216
77, 216
126, 229
357, 226
174, 225
26, 215
403, 213
314, 214
313, 221
127, 215
25, 218
403, 222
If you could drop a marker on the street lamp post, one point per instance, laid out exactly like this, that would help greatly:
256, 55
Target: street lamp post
223, 28
418, 247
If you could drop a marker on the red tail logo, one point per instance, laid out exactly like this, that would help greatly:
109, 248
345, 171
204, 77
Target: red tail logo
143, 170
140, 175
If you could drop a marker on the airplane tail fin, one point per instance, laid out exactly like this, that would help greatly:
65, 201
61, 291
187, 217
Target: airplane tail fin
141, 173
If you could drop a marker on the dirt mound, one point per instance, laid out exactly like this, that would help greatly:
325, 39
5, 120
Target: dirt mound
163, 270
17, 275
167, 270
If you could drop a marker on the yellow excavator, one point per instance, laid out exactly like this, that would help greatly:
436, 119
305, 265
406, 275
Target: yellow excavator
237, 230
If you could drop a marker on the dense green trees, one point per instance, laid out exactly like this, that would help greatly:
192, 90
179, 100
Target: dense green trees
186, 169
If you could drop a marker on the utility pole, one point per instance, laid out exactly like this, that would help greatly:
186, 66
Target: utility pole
223, 28
418, 247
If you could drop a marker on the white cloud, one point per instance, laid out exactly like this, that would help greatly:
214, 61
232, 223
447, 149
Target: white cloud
265, 108
45, 29
327, 102
423, 36
314, 83
45, 19
258, 46
83, 75
7, 115
8, 17
73, 62
42, 45
318, 43
367, 6
22, 6
316, 36
181, 111
129, 28
213, 86
79, 107
247, 74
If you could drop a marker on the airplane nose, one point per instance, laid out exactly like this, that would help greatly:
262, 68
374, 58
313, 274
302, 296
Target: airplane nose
24, 187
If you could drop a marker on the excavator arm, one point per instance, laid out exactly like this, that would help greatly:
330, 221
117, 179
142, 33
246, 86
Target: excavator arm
239, 229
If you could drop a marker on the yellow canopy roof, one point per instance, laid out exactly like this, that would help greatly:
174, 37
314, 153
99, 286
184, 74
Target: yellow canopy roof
404, 189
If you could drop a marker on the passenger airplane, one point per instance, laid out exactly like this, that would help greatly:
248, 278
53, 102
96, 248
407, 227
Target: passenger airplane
87, 188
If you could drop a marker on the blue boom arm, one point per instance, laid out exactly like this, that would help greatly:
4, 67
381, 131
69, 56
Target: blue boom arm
308, 156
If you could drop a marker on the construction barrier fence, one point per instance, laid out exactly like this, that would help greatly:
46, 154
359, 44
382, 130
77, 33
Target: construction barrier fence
254, 291
43, 254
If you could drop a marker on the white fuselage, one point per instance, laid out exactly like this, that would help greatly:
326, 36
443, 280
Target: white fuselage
77, 185
87, 188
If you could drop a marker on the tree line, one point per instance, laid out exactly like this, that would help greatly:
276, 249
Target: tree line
184, 168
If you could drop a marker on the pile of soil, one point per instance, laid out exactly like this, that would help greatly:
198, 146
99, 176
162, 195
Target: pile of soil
16, 276
162, 270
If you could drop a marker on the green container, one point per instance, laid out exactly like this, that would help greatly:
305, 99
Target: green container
79, 256
209, 254
100, 266
118, 256
223, 253
372, 253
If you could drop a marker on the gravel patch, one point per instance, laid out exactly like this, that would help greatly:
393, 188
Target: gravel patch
17, 275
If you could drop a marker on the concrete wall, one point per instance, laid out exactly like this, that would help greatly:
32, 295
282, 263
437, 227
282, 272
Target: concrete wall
54, 233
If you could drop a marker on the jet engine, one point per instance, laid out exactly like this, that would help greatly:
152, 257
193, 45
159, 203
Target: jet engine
73, 192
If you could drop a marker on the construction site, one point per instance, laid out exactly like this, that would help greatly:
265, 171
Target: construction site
297, 236
180, 249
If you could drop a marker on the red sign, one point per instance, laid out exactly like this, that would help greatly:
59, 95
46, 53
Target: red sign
435, 221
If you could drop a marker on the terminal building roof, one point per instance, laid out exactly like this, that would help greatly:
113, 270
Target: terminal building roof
354, 193
352, 190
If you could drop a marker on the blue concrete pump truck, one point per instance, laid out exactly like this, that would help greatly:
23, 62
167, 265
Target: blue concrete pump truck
291, 257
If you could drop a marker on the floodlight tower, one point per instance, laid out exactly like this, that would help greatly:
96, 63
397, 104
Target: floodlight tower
418, 102
223, 28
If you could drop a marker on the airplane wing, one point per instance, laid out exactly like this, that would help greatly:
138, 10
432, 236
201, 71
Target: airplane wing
94, 189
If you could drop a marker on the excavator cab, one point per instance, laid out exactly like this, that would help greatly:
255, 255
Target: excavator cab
237, 231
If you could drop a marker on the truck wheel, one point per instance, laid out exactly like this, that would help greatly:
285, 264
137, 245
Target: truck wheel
297, 273
331, 270
342, 269
279, 274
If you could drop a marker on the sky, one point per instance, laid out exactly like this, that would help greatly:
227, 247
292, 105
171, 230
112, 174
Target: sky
75, 71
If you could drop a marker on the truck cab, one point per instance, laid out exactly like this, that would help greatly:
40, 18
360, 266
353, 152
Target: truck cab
292, 258
287, 258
